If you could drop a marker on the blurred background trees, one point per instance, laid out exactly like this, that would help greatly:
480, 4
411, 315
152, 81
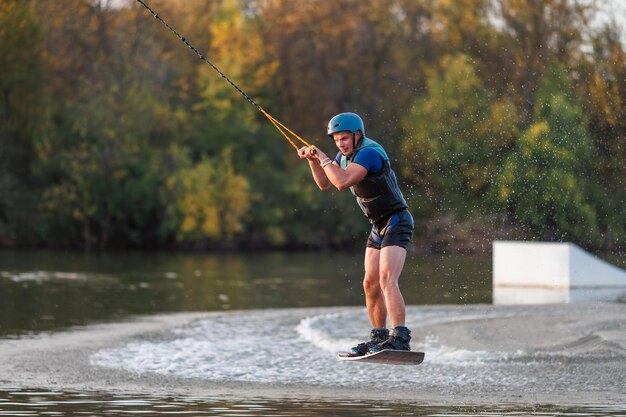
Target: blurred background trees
503, 119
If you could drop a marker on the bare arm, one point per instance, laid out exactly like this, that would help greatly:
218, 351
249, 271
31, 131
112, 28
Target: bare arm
320, 177
327, 173
344, 178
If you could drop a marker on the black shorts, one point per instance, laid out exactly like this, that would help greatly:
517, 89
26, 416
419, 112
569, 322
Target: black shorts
396, 231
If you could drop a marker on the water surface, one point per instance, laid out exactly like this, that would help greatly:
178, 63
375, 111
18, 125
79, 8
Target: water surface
275, 320
45, 290
33, 403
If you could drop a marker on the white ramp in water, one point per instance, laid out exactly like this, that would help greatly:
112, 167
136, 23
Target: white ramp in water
543, 272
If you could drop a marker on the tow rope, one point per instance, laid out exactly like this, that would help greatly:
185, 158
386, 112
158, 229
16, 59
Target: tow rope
278, 125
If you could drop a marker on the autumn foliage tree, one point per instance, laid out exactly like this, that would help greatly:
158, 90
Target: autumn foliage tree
114, 134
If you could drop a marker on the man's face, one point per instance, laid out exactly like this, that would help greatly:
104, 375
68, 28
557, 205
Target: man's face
344, 141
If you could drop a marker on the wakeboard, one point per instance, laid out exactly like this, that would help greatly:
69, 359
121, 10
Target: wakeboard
387, 356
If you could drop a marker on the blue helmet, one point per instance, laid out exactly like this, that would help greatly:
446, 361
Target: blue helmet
346, 122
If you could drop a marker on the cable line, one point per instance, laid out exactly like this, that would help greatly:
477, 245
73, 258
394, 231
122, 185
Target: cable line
278, 125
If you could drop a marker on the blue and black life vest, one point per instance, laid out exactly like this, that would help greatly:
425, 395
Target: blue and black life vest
378, 193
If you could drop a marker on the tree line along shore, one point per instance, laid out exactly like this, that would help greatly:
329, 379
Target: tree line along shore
504, 120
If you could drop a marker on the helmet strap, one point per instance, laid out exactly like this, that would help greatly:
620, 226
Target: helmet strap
354, 143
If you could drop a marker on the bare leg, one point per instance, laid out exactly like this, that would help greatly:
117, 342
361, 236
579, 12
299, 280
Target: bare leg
391, 262
374, 299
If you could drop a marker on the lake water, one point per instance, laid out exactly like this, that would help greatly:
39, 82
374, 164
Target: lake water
49, 290
290, 312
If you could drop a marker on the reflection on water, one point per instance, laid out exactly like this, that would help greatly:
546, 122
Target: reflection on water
33, 403
44, 290
530, 295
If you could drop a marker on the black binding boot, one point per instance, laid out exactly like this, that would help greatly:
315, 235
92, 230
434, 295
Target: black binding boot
377, 336
399, 340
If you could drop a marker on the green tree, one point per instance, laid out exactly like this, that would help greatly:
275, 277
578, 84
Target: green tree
455, 138
531, 35
102, 152
205, 201
603, 86
544, 181
103, 173
21, 115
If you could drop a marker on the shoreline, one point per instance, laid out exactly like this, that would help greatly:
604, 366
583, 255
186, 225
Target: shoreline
60, 361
